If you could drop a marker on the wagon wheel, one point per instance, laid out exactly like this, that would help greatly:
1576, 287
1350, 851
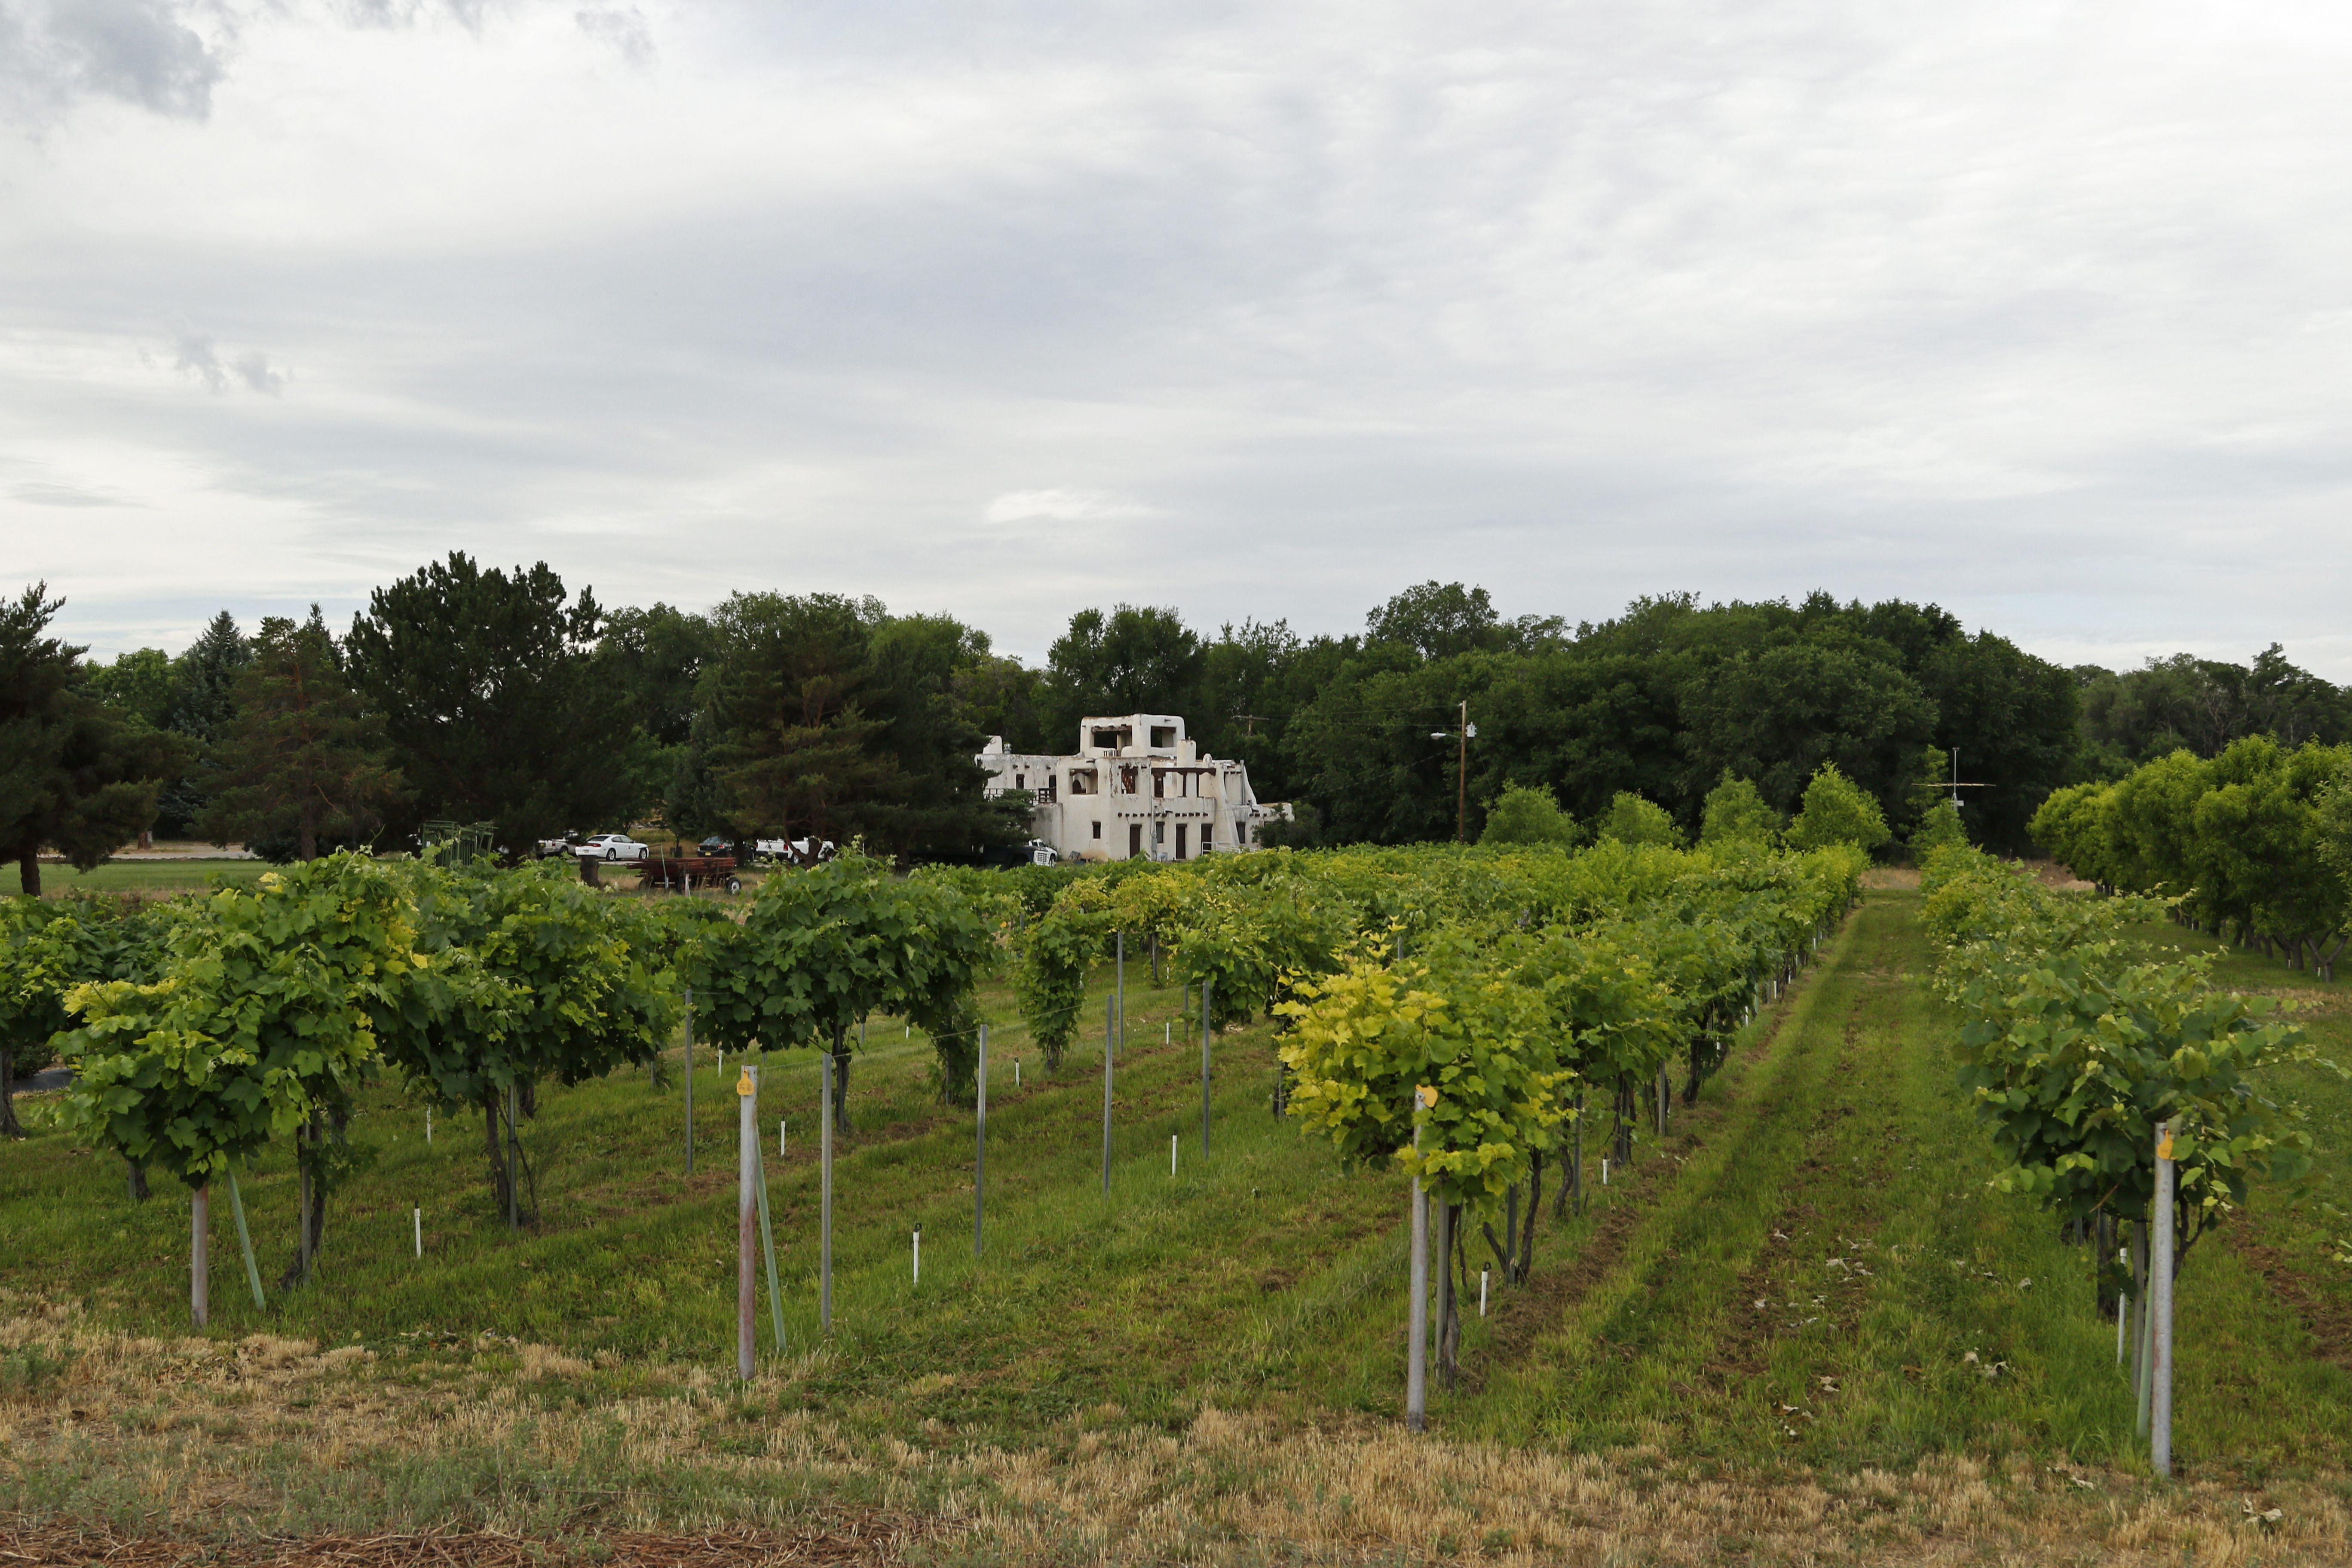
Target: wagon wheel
734, 884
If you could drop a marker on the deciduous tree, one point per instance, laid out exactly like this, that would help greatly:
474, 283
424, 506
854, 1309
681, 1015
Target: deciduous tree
1736, 812
493, 700
1837, 811
1528, 814
1630, 819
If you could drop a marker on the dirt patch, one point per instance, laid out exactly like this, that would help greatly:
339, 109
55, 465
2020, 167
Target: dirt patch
1518, 1316
842, 1539
1754, 1319
1749, 1327
2329, 1322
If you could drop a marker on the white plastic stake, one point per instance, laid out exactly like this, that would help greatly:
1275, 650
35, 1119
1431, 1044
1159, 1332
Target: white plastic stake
1172, 1153
919, 1254
1168, 1034
428, 1127
1481, 1290
1016, 1072
783, 1129
1604, 1170
418, 1214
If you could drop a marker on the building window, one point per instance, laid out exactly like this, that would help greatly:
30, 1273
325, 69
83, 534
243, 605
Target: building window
1164, 737
1097, 830
1020, 781
1134, 839
1182, 830
1159, 783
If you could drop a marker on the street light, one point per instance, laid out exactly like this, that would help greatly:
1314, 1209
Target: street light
1467, 734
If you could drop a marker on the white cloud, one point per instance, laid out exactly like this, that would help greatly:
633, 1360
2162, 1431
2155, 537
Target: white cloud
1058, 506
2037, 313
622, 27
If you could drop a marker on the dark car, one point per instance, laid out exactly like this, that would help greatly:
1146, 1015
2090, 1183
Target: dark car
714, 845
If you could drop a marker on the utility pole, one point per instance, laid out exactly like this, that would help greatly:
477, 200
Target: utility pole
1462, 782
1460, 773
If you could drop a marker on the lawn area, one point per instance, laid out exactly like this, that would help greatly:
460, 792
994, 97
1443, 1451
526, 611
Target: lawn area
134, 876
1798, 1329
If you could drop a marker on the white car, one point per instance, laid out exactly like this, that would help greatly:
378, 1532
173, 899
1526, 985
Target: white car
611, 846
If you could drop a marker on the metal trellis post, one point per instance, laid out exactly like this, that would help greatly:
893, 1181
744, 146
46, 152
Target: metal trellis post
980, 1151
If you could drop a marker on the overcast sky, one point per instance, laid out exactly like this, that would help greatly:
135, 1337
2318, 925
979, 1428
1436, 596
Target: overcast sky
2041, 312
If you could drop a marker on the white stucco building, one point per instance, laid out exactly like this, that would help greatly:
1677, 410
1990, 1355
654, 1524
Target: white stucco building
1136, 788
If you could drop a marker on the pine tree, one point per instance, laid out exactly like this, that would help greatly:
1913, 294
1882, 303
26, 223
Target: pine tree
203, 699
302, 757
75, 775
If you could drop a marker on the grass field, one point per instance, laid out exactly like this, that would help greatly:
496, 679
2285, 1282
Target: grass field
134, 876
1799, 1329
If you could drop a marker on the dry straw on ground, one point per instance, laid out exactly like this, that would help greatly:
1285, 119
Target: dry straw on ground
179, 1422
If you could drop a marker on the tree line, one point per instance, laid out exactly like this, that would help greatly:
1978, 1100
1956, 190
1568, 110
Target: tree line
2253, 843
474, 694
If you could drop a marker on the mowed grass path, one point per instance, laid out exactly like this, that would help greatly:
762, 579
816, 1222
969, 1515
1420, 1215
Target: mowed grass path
1808, 1270
1814, 1265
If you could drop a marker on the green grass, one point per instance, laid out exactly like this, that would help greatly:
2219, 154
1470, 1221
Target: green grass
2290, 1249
134, 875
1168, 1292
1693, 1311
1722, 1326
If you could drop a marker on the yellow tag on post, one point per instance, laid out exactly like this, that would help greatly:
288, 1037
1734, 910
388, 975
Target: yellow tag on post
743, 1084
2164, 1149
1427, 1095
